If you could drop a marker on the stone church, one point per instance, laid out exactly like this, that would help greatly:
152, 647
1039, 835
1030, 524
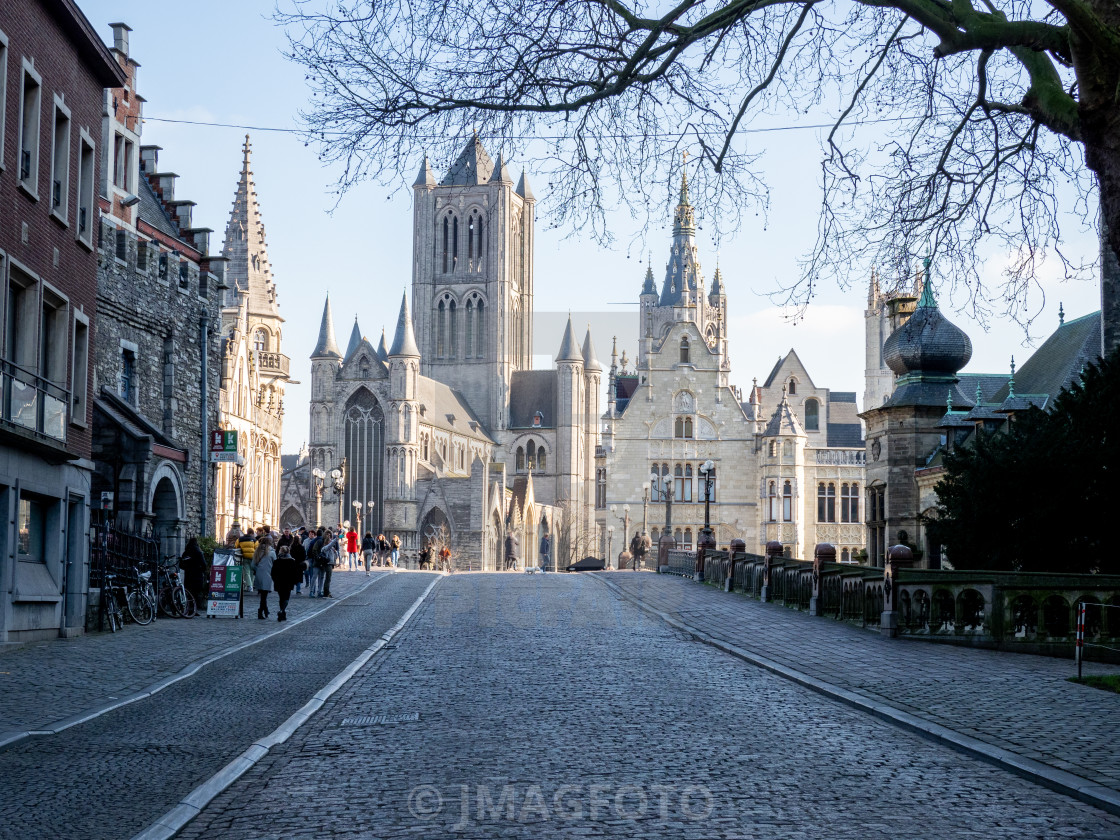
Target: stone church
788, 459
448, 435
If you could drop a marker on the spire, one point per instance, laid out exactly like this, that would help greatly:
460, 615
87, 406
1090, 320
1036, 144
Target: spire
590, 363
382, 351
784, 421
355, 339
247, 268
523, 188
717, 284
426, 178
471, 168
873, 293
569, 348
682, 274
1061, 315
501, 174
649, 287
927, 299
684, 219
326, 346
404, 340
1011, 380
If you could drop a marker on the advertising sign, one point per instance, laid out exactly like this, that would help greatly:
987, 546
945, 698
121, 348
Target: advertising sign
224, 599
223, 445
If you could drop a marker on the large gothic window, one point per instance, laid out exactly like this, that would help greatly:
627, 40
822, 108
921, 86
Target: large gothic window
826, 502
849, 503
520, 464
446, 244
454, 243
363, 445
812, 415
468, 347
480, 333
441, 329
452, 331
474, 241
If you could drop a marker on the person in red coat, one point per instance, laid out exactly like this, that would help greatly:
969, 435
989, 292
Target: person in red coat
353, 559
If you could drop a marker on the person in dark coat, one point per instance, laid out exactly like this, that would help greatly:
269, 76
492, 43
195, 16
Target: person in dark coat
286, 573
299, 554
193, 564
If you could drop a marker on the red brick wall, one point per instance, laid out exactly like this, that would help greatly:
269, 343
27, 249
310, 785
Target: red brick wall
35, 34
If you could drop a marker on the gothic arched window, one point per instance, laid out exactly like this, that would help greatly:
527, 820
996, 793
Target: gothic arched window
454, 243
678, 482
542, 459
688, 427
687, 497
480, 331
655, 484
793, 386
684, 351
826, 502
520, 463
849, 503
441, 328
260, 340
772, 497
446, 244
452, 331
773, 448
531, 455
787, 502
812, 415
468, 349
688, 539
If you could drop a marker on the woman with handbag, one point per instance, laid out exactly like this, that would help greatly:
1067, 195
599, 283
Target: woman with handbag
263, 558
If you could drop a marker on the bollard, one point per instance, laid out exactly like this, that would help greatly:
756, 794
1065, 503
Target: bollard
773, 549
1079, 651
897, 557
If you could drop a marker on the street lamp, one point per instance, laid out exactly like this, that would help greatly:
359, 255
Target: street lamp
707, 541
320, 477
338, 479
610, 539
238, 478
369, 513
645, 506
666, 543
626, 554
358, 515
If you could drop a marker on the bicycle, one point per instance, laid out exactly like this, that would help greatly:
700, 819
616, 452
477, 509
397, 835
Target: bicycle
140, 604
174, 599
109, 603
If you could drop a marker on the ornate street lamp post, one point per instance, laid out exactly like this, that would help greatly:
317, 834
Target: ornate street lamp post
238, 479
369, 514
358, 515
338, 479
610, 539
707, 541
320, 478
666, 543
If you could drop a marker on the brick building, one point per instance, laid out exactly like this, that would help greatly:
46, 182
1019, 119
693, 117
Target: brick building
156, 357
53, 69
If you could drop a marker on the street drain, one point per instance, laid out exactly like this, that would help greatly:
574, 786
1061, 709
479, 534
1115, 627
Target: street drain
373, 720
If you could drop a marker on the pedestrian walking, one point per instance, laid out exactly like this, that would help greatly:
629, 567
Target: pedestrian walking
308, 538
352, 556
511, 552
286, 573
445, 559
332, 550
395, 550
382, 550
318, 563
247, 544
369, 544
263, 558
193, 564
545, 551
299, 555
425, 557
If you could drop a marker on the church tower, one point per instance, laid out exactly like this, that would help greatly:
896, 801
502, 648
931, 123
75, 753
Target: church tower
570, 413
472, 284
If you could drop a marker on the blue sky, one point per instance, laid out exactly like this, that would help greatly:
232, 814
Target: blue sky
212, 62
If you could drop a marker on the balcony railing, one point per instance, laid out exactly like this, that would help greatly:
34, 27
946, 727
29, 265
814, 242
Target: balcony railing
841, 457
273, 363
33, 403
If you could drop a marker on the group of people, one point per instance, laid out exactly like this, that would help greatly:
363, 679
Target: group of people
295, 559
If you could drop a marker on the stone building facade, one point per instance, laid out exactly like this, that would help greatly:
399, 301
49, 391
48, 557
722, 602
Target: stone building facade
53, 69
788, 460
449, 433
155, 359
253, 369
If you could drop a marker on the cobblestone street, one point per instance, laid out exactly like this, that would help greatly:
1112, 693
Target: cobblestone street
549, 707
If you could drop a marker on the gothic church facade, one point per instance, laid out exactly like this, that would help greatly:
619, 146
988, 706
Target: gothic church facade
448, 435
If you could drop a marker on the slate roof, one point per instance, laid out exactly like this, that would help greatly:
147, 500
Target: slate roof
439, 401
289, 462
784, 421
1058, 362
531, 391
990, 385
471, 168
624, 388
842, 396
845, 434
152, 211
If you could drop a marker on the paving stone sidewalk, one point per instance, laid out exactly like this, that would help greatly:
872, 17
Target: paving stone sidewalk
44, 683
1016, 702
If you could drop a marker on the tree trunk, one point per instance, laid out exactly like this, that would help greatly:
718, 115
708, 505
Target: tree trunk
1096, 59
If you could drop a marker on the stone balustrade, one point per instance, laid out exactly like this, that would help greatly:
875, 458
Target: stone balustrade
1027, 612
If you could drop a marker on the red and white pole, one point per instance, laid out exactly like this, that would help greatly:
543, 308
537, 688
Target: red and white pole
1080, 649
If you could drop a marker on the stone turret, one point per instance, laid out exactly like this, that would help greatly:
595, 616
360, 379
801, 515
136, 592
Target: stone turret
570, 412
403, 437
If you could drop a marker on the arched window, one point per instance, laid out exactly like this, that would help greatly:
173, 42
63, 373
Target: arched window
531, 455
452, 332
542, 461
826, 502
480, 331
474, 240
687, 497
468, 347
688, 427
684, 351
600, 489
520, 459
793, 386
441, 330
812, 416
678, 538
424, 447
772, 496
664, 479
787, 502
678, 428
688, 539
678, 482
446, 244
655, 485
849, 503
260, 341
455, 243
845, 555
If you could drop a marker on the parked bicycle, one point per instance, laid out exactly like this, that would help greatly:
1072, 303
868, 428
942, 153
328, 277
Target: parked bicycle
111, 592
141, 603
174, 599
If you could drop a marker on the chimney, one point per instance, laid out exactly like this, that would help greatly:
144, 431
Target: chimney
120, 37
149, 159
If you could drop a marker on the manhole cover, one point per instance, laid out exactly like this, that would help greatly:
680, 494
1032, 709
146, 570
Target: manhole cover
371, 720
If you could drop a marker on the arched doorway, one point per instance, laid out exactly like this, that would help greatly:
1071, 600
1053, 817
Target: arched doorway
166, 524
435, 532
494, 544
